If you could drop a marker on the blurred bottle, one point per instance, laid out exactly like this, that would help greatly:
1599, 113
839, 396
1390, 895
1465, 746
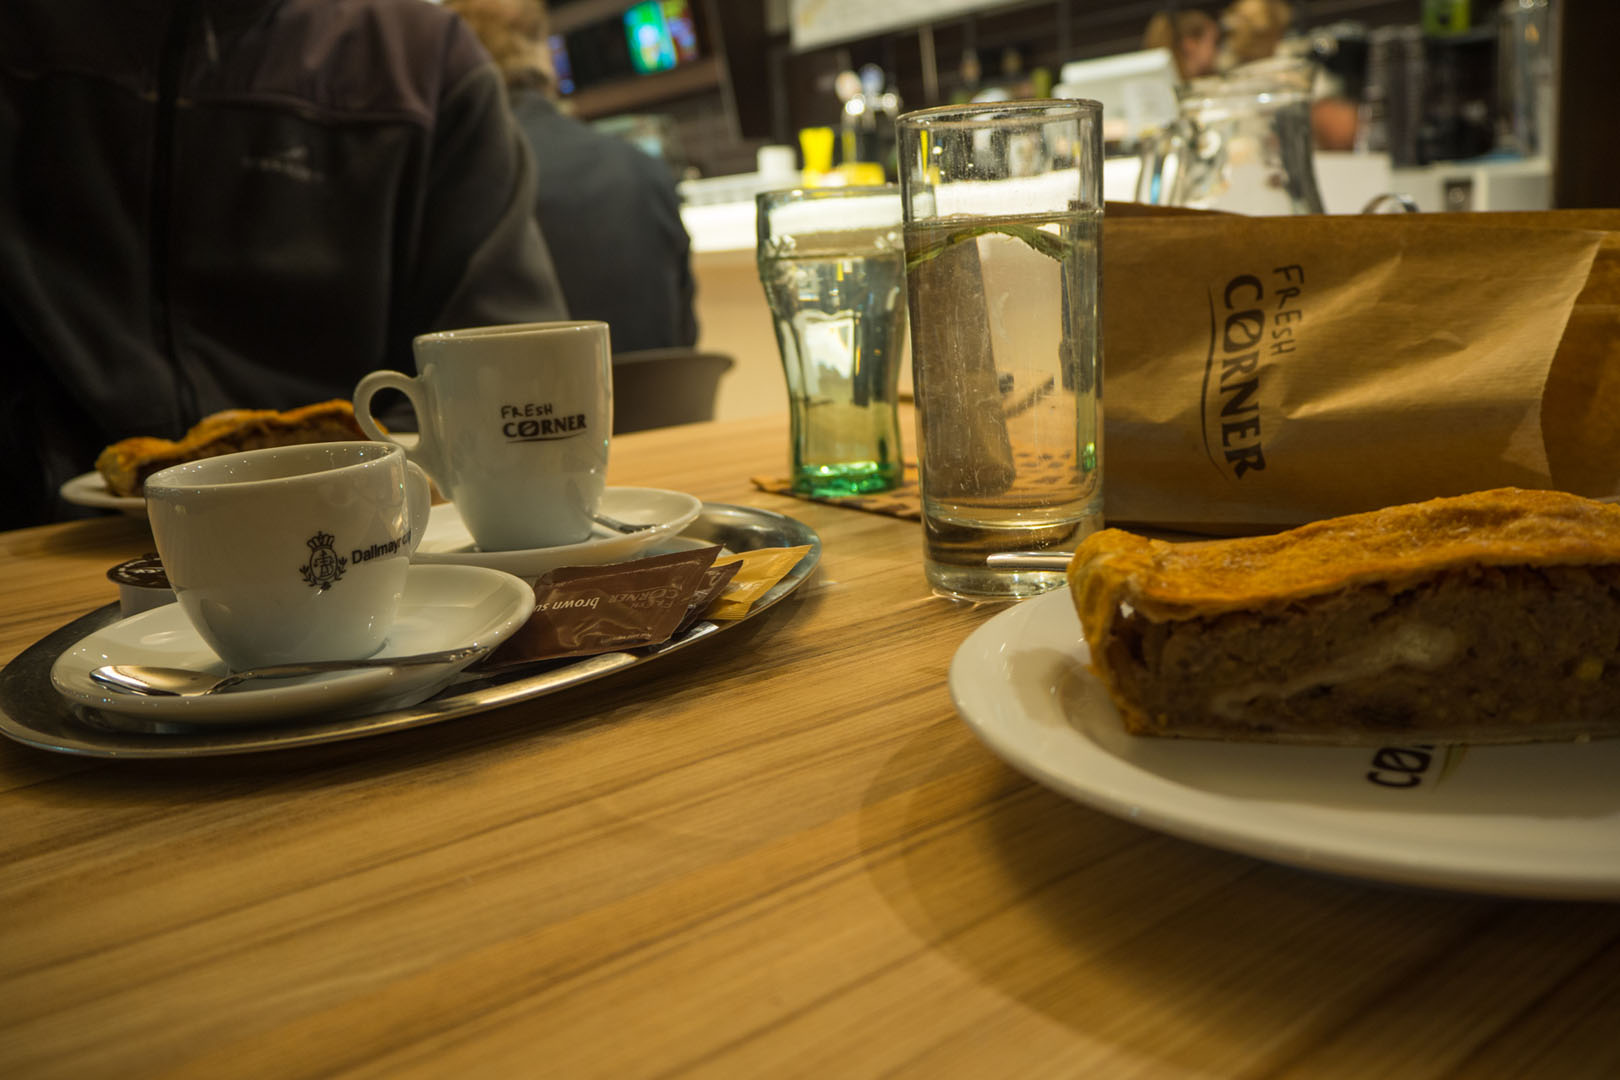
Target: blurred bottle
867, 134
969, 73
778, 167
1392, 101
1459, 97
1524, 76
1443, 18
816, 146
1011, 82
1459, 80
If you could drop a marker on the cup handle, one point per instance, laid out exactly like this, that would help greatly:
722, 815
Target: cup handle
418, 503
425, 452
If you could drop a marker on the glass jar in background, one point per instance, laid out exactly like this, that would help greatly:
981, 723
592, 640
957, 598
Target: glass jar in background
1241, 142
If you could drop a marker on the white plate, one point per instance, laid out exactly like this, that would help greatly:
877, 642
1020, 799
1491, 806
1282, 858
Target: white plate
444, 607
89, 489
448, 541
1538, 820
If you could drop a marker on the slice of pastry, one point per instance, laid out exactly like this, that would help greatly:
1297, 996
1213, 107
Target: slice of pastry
1491, 617
126, 465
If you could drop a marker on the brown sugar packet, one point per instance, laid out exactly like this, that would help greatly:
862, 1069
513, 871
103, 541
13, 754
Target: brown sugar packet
715, 578
584, 610
757, 571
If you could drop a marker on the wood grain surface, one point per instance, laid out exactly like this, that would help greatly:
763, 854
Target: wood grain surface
785, 856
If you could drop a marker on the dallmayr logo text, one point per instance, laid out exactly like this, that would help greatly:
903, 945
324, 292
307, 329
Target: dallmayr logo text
377, 551
538, 422
325, 565
1239, 343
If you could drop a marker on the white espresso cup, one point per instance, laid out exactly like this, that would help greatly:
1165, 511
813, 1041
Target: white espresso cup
292, 553
514, 426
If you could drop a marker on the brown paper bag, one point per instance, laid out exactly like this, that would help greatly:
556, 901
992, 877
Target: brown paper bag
1580, 410
1264, 372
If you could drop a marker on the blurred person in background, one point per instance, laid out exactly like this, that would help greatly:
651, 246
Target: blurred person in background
1193, 38
609, 211
1251, 29
211, 204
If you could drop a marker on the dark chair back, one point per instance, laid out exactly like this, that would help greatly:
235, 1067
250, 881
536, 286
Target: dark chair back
656, 388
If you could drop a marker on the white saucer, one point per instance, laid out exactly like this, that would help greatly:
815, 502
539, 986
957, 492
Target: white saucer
444, 607
89, 489
447, 540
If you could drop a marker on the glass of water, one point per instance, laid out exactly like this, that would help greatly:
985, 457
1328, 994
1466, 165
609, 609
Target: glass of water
832, 264
1003, 229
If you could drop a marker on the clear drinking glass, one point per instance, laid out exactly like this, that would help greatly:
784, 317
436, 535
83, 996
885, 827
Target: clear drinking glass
1003, 229
831, 261
1242, 142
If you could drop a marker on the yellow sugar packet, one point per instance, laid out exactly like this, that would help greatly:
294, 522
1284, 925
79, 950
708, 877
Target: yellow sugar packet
757, 571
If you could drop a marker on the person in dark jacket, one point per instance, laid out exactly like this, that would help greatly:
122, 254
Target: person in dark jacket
609, 210
210, 204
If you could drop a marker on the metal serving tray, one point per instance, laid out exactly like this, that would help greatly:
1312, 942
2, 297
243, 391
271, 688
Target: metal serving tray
33, 713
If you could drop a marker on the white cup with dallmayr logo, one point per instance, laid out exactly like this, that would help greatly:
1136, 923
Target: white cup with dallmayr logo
515, 423
292, 553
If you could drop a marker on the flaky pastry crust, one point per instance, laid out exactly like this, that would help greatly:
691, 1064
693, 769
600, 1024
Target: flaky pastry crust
1394, 546
125, 465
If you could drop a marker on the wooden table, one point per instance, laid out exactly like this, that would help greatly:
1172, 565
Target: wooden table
784, 856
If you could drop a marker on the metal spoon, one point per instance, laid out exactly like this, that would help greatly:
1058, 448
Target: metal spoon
156, 681
621, 526
1031, 560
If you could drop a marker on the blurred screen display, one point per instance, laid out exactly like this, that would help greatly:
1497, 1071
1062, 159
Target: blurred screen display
660, 34
682, 31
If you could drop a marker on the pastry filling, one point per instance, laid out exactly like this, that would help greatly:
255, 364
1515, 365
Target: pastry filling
1481, 650
1414, 645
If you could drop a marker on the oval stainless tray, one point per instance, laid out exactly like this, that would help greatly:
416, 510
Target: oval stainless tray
33, 713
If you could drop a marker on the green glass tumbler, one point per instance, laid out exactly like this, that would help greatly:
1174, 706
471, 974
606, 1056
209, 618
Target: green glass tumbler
832, 263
